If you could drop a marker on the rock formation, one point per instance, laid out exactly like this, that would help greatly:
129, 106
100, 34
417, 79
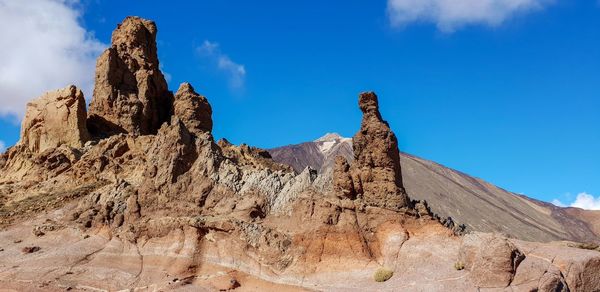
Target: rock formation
173, 210
193, 109
56, 118
130, 94
492, 260
342, 181
375, 173
454, 195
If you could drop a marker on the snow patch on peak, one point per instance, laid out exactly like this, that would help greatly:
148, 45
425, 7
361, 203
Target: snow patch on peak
330, 137
326, 146
330, 141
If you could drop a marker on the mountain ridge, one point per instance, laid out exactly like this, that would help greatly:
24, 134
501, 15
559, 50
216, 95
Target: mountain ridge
137, 195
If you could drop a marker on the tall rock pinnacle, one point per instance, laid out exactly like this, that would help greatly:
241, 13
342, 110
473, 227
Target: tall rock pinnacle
130, 93
193, 109
375, 173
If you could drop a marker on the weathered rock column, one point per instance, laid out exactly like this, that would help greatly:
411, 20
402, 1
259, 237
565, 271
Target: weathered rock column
375, 173
130, 93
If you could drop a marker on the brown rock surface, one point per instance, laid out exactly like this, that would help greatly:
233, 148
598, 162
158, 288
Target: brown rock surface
130, 94
193, 109
174, 210
250, 156
56, 118
492, 260
376, 173
468, 200
342, 182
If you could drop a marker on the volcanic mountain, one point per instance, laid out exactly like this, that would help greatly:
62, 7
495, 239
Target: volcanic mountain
135, 194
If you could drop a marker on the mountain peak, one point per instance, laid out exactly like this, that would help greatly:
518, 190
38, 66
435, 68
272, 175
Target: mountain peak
330, 137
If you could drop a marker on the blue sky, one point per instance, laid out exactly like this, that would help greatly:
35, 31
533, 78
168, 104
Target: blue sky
509, 92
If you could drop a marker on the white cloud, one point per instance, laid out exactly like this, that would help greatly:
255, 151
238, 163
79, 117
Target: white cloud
2, 146
586, 201
583, 200
236, 73
558, 203
450, 15
167, 76
43, 47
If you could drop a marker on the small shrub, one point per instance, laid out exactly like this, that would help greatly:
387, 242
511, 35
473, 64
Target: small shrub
588, 246
30, 249
459, 266
382, 275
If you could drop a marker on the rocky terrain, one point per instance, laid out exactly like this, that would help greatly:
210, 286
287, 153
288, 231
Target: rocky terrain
136, 194
477, 204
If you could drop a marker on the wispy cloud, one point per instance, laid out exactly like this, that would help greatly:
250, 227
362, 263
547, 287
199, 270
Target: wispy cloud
2, 146
43, 47
583, 200
558, 203
236, 73
167, 75
449, 15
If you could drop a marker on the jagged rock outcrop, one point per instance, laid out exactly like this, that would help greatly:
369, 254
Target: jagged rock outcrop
171, 155
456, 196
254, 157
193, 109
56, 118
52, 135
375, 173
175, 210
130, 93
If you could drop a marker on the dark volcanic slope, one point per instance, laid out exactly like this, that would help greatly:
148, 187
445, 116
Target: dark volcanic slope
478, 204
300, 156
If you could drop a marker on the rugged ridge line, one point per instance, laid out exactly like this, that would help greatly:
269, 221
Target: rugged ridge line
151, 201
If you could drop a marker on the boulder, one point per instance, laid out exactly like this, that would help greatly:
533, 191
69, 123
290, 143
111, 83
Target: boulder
491, 259
130, 93
56, 118
580, 269
552, 281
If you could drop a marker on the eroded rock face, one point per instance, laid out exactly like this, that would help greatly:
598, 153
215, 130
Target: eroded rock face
159, 210
375, 173
250, 156
130, 93
56, 118
342, 182
172, 153
193, 109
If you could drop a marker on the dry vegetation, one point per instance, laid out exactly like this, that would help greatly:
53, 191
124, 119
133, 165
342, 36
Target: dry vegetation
382, 275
